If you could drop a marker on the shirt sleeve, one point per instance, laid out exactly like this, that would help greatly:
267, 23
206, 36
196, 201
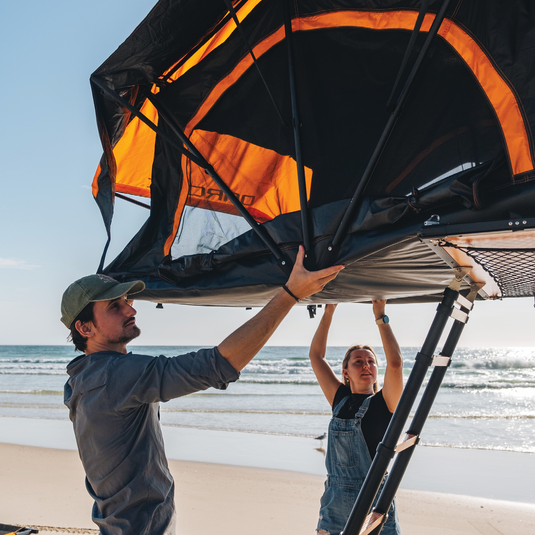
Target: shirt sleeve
145, 379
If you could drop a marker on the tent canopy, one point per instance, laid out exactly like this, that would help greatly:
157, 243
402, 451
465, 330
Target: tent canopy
350, 126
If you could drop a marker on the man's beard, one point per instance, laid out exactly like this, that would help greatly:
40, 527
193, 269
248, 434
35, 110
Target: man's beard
135, 331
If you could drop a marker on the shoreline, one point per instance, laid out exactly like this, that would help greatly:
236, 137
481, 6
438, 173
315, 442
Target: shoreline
44, 488
490, 474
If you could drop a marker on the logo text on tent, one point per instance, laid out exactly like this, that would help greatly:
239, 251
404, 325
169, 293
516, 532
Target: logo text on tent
215, 194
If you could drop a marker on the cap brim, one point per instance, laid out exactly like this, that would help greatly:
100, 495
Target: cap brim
123, 288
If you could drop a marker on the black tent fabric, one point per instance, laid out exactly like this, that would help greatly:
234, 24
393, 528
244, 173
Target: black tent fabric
282, 105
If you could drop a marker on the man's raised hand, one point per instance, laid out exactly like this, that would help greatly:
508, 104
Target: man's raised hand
303, 283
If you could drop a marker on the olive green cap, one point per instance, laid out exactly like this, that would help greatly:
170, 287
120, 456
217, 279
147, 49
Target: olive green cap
90, 289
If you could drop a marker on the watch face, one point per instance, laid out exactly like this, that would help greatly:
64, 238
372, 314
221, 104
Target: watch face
386, 319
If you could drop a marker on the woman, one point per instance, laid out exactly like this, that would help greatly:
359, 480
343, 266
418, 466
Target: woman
361, 414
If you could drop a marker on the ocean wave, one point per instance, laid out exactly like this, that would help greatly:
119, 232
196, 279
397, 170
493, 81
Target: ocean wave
477, 446
231, 410
494, 385
479, 416
32, 407
503, 363
35, 360
34, 392
279, 381
435, 444
32, 372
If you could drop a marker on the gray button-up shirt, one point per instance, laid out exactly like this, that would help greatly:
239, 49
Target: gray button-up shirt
113, 401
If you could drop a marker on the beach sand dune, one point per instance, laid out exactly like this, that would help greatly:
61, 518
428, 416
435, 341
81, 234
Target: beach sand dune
45, 488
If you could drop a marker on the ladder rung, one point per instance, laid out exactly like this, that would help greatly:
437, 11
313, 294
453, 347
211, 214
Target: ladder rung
372, 521
459, 315
410, 440
462, 301
441, 360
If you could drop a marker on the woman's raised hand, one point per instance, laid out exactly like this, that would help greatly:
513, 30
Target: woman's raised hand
378, 307
329, 309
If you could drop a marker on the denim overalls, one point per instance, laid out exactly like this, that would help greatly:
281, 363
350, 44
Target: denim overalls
347, 463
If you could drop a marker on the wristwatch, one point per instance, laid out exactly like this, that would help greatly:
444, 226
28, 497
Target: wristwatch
384, 319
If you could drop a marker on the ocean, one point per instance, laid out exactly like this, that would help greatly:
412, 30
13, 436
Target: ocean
487, 400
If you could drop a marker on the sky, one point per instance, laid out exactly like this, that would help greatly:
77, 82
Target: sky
51, 232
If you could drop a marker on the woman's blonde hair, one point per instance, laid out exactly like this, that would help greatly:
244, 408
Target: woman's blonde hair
346, 360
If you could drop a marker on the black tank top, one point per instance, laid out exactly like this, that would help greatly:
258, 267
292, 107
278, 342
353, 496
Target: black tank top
375, 420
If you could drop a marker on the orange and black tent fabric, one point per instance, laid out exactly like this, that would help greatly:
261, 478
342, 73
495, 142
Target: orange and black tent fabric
252, 126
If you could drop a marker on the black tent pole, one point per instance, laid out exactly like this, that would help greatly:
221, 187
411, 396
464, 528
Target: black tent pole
282, 260
234, 16
387, 447
133, 201
333, 248
195, 156
405, 450
134, 111
305, 220
412, 41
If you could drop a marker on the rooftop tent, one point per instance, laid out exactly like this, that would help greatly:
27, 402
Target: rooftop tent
366, 130
393, 136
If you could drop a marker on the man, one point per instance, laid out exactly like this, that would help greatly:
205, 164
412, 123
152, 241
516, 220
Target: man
113, 396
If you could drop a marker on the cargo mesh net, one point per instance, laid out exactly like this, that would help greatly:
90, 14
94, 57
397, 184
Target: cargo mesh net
511, 269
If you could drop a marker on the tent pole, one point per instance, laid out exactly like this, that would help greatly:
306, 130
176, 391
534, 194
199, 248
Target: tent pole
305, 219
196, 157
333, 248
387, 447
405, 449
133, 201
421, 16
282, 260
234, 16
134, 111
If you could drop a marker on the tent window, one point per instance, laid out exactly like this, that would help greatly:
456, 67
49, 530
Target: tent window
447, 174
203, 231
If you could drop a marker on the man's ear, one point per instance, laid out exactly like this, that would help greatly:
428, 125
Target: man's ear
85, 328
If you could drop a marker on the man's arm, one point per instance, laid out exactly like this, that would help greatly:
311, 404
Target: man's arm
243, 344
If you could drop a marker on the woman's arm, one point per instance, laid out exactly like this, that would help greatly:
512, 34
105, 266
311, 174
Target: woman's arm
327, 379
393, 383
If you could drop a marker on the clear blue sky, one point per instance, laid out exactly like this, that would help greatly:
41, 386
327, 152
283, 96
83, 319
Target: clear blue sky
51, 231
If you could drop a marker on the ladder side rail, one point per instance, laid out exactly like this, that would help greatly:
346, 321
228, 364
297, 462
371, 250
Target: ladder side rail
403, 458
386, 449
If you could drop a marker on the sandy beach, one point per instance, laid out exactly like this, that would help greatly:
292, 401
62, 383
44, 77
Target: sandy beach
44, 487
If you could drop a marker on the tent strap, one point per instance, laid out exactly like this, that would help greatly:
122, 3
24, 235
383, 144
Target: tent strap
388, 447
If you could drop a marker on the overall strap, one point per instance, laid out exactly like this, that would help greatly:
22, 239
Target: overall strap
338, 407
363, 408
